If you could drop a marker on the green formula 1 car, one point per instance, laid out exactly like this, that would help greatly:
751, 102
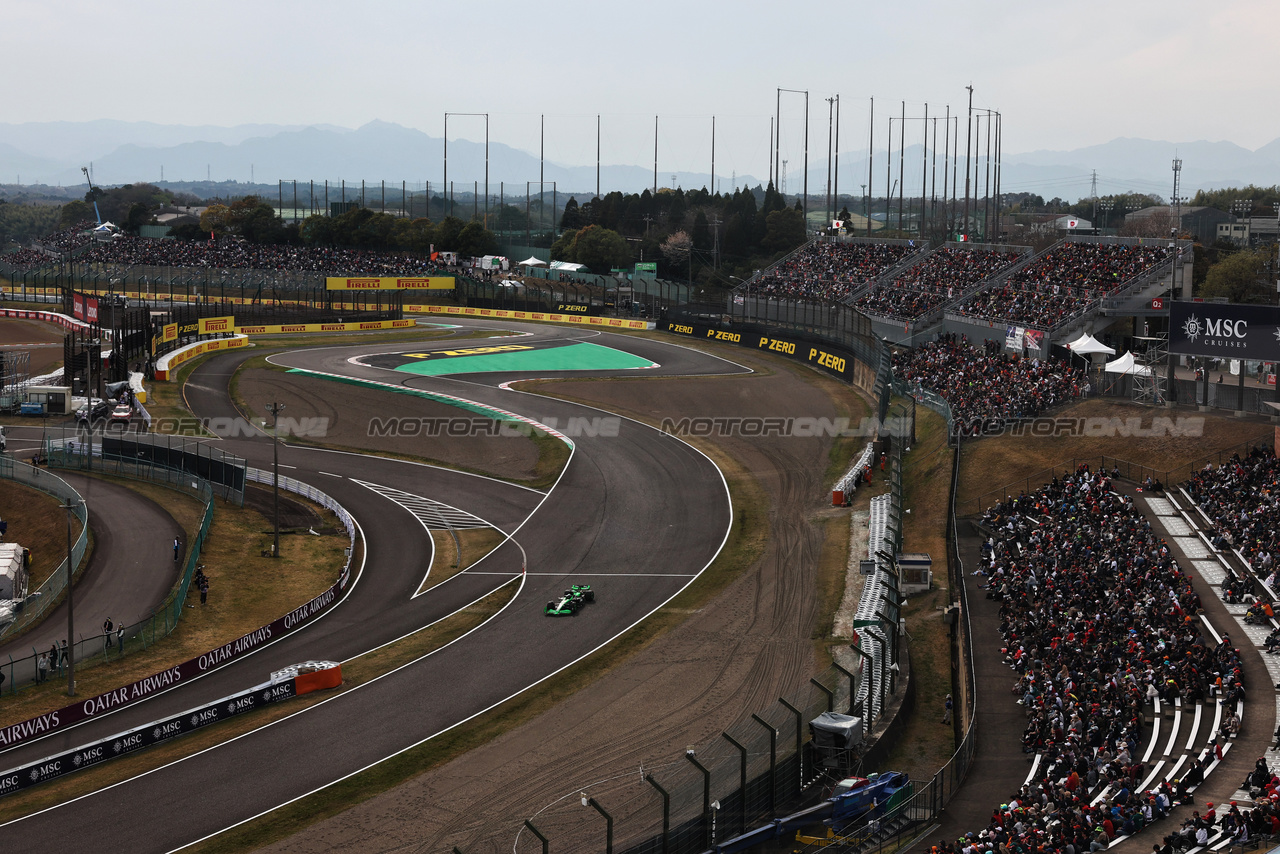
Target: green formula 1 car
571, 602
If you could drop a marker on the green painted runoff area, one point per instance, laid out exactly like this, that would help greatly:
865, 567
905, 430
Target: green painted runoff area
572, 357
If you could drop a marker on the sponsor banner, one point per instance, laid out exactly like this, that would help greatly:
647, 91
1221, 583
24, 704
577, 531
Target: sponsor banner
214, 325
90, 310
172, 360
122, 744
346, 326
188, 329
77, 306
507, 314
834, 360
1033, 338
68, 716
1224, 330
169, 333
389, 283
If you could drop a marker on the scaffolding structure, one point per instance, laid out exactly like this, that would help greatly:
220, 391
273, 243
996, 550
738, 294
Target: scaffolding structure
1150, 384
15, 374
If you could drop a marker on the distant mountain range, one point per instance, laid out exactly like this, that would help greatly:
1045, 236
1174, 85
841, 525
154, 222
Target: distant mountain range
52, 153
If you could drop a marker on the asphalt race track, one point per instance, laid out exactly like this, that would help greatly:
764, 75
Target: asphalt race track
637, 515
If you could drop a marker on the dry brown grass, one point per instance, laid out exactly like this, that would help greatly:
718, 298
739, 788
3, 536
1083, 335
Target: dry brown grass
246, 591
992, 466
925, 744
452, 557
37, 523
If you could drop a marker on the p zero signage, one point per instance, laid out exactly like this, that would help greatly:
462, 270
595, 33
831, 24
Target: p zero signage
833, 360
1222, 330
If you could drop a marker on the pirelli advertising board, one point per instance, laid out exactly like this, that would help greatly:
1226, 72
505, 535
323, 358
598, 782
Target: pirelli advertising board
1224, 330
389, 283
834, 360
216, 325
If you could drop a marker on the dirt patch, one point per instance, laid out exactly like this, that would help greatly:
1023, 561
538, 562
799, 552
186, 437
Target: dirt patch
351, 411
45, 338
995, 465
37, 523
295, 515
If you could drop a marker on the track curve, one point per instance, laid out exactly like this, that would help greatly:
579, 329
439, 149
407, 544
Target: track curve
638, 515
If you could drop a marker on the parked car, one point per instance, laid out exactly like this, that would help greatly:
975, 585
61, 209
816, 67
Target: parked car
122, 414
93, 411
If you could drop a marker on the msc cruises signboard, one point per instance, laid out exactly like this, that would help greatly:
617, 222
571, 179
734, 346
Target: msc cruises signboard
1225, 330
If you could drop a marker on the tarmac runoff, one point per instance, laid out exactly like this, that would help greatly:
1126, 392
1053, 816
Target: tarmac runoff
512, 358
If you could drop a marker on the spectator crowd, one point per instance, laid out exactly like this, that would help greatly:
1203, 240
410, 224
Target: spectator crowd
943, 275
237, 254
1063, 282
1097, 619
1242, 498
988, 383
828, 270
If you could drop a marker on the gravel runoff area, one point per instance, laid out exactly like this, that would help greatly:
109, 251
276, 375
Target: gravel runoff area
42, 340
735, 656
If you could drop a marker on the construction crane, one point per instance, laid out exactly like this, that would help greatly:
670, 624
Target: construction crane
93, 194
104, 232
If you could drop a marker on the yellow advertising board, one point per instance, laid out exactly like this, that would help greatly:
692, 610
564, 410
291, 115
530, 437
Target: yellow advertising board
507, 314
173, 360
169, 333
348, 326
389, 283
213, 325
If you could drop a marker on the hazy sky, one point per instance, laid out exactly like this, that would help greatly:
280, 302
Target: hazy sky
1063, 75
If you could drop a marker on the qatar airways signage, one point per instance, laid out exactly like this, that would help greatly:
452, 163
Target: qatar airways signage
1225, 330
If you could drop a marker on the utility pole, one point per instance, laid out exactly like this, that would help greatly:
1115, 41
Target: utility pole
1093, 194
275, 409
70, 506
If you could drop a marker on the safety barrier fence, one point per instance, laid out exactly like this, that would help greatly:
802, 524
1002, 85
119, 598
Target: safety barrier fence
32, 608
44, 664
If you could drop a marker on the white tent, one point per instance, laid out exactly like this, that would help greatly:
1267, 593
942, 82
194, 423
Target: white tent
1127, 365
533, 261
568, 266
1086, 345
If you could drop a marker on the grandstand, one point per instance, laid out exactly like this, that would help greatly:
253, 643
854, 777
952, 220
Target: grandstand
911, 293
